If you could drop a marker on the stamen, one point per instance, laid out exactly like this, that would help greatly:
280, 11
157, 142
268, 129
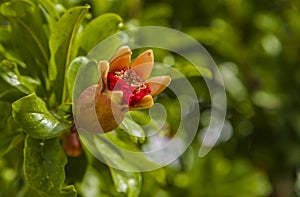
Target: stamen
132, 78
130, 83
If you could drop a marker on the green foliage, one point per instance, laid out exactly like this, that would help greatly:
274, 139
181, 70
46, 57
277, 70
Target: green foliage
62, 47
10, 74
127, 182
72, 72
44, 44
34, 118
101, 27
39, 40
27, 24
44, 163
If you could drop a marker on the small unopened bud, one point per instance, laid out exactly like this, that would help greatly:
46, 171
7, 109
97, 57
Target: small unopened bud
71, 144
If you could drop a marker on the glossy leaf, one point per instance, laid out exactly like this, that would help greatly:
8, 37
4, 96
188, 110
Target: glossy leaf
100, 27
136, 131
10, 74
127, 182
33, 116
44, 163
62, 48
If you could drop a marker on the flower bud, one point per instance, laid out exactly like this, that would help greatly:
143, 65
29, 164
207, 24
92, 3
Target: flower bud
122, 86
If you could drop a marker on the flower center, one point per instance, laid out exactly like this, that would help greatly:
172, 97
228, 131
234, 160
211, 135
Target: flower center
130, 83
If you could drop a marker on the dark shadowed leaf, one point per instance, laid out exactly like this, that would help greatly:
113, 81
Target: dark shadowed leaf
28, 35
44, 163
8, 141
50, 11
10, 74
10, 136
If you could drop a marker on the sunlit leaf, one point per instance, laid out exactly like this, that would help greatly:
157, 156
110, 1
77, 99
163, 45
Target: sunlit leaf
99, 29
33, 116
127, 182
62, 48
44, 163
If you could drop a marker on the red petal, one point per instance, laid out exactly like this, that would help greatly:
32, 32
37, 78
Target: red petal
139, 95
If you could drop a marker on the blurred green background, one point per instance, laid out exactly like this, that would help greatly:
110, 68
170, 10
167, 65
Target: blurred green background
256, 45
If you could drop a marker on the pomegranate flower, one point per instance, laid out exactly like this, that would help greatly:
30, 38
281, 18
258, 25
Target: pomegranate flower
122, 86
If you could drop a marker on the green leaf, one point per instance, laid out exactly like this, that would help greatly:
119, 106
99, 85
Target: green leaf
139, 117
9, 140
5, 34
50, 11
92, 183
148, 123
64, 112
28, 35
10, 136
4, 115
72, 72
190, 70
136, 132
33, 116
9, 72
127, 182
7, 93
44, 163
62, 48
87, 75
115, 152
78, 165
159, 175
7, 123
99, 29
